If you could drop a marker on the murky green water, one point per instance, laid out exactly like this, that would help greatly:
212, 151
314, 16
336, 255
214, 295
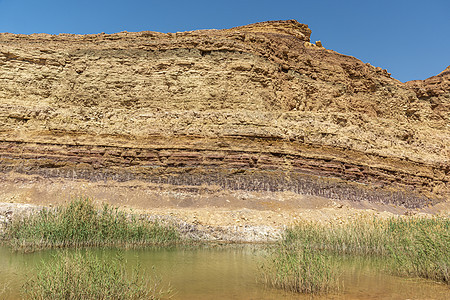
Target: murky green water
229, 273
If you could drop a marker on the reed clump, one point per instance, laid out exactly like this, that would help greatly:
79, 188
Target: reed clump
413, 246
81, 224
422, 248
300, 269
367, 236
86, 276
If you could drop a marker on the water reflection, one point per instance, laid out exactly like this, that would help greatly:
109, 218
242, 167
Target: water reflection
230, 272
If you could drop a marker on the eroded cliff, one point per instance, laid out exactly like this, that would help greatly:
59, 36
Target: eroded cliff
256, 108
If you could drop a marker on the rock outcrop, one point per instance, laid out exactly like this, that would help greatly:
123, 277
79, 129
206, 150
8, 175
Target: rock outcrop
436, 91
256, 107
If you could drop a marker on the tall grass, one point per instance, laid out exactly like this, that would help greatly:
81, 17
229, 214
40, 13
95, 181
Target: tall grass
80, 223
414, 246
86, 276
422, 248
300, 269
366, 236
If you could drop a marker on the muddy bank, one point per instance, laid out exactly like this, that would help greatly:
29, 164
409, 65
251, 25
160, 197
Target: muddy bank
207, 212
228, 225
192, 230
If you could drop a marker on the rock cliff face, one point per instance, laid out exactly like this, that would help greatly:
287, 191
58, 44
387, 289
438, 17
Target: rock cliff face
436, 91
256, 107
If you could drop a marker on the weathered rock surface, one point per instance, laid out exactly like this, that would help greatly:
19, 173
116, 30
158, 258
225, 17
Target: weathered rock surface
435, 90
256, 108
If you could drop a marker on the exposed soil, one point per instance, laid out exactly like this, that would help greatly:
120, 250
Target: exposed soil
205, 213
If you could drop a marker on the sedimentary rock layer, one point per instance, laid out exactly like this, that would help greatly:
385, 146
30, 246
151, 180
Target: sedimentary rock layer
256, 107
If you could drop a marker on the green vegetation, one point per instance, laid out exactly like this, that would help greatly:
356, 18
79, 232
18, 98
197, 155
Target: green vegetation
304, 261
86, 276
412, 246
422, 248
358, 236
80, 224
299, 268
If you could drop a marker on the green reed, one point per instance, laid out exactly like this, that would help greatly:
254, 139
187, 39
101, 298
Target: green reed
80, 224
422, 248
301, 269
367, 236
414, 246
86, 276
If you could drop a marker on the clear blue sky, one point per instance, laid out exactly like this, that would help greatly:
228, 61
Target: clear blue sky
409, 38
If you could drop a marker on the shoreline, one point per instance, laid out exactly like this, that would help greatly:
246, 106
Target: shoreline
207, 213
212, 224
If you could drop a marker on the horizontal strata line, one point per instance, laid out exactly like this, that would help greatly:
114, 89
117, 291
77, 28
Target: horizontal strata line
261, 181
84, 148
310, 147
344, 170
337, 169
119, 166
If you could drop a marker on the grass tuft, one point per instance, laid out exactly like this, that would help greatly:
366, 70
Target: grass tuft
81, 224
85, 276
300, 269
418, 247
422, 248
